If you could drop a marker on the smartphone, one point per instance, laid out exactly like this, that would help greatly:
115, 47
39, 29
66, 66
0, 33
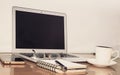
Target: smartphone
11, 59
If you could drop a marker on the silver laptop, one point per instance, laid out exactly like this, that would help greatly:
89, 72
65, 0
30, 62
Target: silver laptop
39, 33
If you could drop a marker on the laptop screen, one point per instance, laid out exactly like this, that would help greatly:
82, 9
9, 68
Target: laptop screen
44, 31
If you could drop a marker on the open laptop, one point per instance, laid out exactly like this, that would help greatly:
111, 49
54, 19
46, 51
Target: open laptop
39, 33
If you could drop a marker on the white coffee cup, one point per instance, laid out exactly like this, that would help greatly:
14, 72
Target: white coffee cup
104, 54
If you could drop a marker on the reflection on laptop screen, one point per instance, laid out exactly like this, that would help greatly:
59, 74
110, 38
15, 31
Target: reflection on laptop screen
43, 31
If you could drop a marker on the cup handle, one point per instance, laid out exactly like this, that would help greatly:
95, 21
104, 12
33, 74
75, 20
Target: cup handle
117, 54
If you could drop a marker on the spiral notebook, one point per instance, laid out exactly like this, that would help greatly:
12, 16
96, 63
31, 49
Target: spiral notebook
62, 67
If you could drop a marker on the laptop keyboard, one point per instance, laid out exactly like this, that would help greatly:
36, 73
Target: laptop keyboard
54, 55
64, 56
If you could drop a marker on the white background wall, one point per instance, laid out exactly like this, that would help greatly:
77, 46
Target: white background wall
89, 22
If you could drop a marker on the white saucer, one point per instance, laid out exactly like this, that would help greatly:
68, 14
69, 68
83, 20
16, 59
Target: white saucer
93, 61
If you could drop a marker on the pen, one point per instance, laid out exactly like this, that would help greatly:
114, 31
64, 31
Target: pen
63, 68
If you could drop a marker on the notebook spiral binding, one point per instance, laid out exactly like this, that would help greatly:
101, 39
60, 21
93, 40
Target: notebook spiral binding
49, 66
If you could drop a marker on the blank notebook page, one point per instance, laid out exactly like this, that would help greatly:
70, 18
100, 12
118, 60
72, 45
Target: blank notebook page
71, 65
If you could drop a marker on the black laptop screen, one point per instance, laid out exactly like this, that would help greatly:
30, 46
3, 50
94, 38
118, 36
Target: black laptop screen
39, 31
